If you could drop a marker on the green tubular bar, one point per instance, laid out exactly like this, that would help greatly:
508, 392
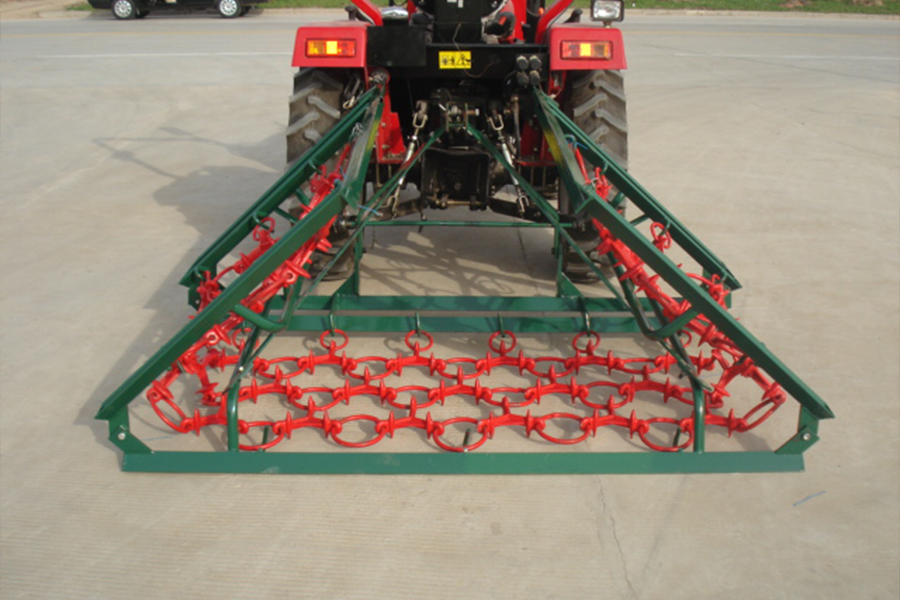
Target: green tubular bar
226, 302
458, 463
474, 224
286, 187
551, 113
490, 304
457, 323
569, 311
221, 306
564, 287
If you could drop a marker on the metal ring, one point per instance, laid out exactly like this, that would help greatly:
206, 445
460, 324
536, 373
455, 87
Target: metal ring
502, 350
334, 333
591, 345
415, 346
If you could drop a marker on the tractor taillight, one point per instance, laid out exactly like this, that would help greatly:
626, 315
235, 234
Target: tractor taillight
586, 50
331, 48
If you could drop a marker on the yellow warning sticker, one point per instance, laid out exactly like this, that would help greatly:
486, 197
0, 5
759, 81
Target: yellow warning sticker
455, 60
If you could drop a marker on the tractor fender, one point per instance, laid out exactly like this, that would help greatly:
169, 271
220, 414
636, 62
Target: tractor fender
331, 45
565, 36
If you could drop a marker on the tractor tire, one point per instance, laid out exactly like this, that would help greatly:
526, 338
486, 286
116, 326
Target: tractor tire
315, 107
596, 104
598, 107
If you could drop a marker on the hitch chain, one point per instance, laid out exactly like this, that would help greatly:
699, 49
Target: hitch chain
354, 94
419, 118
495, 120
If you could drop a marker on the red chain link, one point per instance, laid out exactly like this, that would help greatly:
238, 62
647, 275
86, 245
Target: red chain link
596, 404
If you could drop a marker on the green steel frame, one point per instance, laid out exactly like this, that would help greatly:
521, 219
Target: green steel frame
568, 311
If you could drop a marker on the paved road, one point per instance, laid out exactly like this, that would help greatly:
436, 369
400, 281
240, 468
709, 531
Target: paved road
125, 148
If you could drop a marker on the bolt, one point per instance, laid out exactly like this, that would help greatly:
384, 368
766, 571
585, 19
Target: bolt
121, 437
806, 436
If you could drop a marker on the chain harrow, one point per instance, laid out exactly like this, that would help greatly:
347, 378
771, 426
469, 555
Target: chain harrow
596, 403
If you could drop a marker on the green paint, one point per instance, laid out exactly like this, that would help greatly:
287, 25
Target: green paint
463, 463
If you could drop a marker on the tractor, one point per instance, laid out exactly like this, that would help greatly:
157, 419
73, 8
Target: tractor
465, 61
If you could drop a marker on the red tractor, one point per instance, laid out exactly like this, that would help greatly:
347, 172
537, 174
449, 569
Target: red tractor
465, 60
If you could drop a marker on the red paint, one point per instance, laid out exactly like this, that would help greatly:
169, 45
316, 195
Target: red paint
390, 147
548, 17
370, 10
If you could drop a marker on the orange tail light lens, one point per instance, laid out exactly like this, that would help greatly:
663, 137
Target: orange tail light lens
331, 48
573, 50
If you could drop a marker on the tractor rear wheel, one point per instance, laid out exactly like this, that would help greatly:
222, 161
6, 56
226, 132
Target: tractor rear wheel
596, 104
316, 106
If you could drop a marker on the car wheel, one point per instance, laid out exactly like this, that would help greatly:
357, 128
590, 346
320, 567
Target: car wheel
231, 8
124, 9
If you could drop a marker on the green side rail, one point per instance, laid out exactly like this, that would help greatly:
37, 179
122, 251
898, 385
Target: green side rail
113, 408
550, 112
557, 127
288, 185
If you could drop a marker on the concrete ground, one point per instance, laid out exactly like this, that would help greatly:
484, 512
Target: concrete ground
127, 147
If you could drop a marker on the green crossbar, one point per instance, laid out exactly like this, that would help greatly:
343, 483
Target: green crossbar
458, 463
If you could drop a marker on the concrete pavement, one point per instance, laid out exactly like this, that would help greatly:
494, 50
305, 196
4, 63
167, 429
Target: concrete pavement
126, 148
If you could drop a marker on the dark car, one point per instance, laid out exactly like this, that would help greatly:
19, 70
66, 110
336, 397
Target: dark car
138, 9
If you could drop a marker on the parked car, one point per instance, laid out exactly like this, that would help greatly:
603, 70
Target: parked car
138, 9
